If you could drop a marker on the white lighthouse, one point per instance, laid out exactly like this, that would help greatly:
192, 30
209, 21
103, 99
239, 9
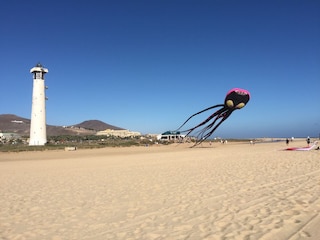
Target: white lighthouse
38, 131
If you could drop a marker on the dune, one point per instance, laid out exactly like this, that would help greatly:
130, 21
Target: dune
218, 191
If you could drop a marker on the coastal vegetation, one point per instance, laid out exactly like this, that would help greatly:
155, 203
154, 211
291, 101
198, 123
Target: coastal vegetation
79, 142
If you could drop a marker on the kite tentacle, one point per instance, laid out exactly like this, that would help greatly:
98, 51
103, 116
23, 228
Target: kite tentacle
217, 115
218, 105
227, 114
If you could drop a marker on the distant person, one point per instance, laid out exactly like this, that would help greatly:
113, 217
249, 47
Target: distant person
308, 140
287, 141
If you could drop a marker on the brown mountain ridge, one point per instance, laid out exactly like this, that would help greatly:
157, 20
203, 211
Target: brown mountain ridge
15, 124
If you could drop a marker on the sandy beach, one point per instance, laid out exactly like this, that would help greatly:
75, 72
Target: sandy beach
218, 191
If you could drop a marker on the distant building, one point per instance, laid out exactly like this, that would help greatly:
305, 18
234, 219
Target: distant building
170, 136
118, 133
8, 136
17, 121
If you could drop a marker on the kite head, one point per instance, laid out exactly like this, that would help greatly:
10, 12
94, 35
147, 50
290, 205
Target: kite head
236, 98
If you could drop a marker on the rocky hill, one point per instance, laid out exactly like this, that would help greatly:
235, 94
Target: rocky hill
15, 124
96, 125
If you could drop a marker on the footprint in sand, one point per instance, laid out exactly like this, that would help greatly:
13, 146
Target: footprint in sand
305, 234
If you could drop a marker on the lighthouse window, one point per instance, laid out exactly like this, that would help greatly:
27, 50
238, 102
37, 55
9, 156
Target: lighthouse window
38, 75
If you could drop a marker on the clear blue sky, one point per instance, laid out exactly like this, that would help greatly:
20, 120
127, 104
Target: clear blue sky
148, 65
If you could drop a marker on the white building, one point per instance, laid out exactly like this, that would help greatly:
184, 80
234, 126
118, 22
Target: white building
118, 133
8, 136
170, 136
38, 131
